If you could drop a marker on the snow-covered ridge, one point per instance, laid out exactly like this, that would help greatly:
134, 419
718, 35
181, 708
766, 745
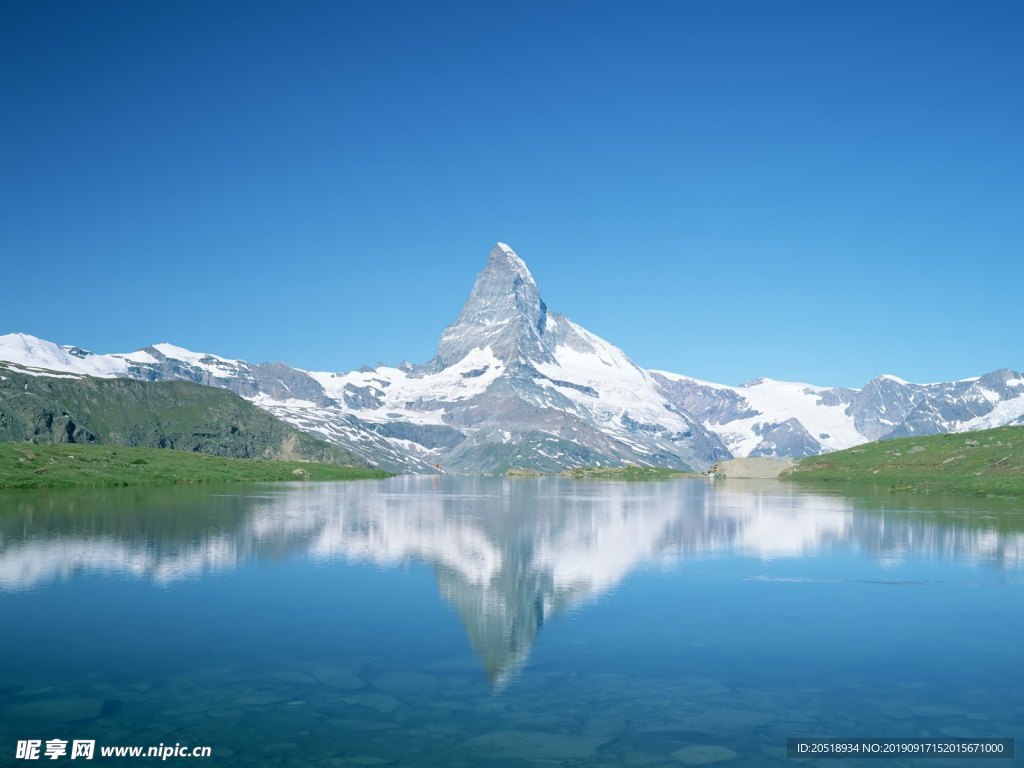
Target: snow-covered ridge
746, 417
38, 354
515, 384
768, 417
32, 352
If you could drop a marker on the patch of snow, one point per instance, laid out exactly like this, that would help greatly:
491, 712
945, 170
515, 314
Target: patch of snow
1004, 412
265, 401
417, 399
43, 372
988, 394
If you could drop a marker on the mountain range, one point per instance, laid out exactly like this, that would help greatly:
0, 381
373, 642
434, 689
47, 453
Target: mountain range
516, 385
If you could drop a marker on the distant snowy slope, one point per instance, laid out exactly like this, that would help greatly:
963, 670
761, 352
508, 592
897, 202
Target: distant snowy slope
1005, 412
765, 417
34, 354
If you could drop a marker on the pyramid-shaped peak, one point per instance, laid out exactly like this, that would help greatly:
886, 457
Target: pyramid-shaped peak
503, 258
504, 313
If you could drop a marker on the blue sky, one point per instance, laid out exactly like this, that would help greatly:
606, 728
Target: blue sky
820, 191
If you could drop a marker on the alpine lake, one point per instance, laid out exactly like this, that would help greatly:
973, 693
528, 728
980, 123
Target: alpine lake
445, 621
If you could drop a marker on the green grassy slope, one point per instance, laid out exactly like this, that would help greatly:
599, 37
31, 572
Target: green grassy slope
23, 465
629, 472
987, 463
165, 414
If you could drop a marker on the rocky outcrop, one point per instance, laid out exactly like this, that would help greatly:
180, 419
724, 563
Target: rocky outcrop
504, 313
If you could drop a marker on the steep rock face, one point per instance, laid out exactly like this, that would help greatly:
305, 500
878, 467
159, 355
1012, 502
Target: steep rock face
46, 423
938, 406
787, 439
504, 313
710, 403
884, 404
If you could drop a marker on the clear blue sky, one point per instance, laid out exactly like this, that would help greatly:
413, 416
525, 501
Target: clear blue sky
820, 191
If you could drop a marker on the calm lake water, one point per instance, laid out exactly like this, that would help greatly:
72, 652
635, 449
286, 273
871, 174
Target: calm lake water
423, 621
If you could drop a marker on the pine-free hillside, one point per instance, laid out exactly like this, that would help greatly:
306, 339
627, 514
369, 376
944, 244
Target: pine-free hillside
25, 465
178, 415
985, 463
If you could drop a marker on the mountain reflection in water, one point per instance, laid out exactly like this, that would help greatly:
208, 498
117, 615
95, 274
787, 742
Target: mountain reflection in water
509, 555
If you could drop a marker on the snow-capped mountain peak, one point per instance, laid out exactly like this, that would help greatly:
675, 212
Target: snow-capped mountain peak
504, 313
503, 257
517, 385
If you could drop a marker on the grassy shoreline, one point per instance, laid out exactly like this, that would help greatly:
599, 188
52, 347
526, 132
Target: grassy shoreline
630, 472
25, 465
984, 463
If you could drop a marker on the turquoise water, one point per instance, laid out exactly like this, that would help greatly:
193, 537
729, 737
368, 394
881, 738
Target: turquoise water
489, 622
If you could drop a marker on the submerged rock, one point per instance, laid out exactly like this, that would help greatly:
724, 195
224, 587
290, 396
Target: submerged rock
937, 710
728, 718
405, 682
382, 702
338, 677
525, 745
366, 760
56, 710
704, 755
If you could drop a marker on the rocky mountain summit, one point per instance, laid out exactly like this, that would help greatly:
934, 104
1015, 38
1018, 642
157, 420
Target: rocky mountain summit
515, 385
